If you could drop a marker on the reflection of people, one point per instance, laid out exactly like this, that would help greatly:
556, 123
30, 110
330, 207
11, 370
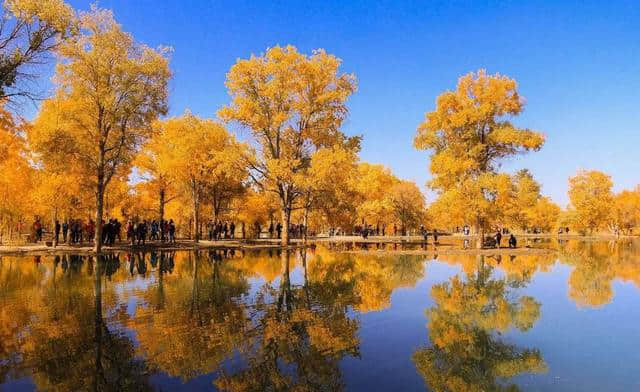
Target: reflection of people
512, 241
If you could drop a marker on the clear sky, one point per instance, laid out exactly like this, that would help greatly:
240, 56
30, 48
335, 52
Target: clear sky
577, 64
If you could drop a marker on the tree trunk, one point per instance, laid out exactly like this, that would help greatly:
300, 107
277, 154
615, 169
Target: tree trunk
304, 224
162, 202
53, 232
97, 239
196, 220
286, 215
479, 234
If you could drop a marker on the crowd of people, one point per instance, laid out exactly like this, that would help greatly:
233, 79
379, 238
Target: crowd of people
155, 230
275, 230
75, 231
221, 230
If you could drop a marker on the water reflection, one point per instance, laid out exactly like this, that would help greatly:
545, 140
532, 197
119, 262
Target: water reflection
597, 265
68, 322
465, 324
280, 320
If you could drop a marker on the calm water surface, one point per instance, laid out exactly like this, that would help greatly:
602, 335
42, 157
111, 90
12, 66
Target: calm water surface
323, 320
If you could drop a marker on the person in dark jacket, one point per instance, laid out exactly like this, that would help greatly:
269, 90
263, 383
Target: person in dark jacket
57, 232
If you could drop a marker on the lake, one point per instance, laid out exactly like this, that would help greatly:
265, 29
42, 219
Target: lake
323, 320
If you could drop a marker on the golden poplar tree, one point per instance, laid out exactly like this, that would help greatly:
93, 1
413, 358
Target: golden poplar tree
293, 104
29, 31
373, 184
469, 134
627, 210
156, 179
17, 175
406, 203
591, 200
198, 154
328, 187
109, 89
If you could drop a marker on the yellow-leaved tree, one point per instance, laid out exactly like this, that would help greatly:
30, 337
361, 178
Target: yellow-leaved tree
405, 201
526, 193
591, 200
109, 90
544, 214
627, 210
293, 104
157, 182
29, 31
16, 176
198, 154
373, 184
469, 134
328, 187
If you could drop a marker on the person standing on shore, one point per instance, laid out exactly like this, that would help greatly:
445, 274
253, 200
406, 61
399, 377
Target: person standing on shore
498, 238
56, 233
172, 231
130, 232
142, 232
65, 230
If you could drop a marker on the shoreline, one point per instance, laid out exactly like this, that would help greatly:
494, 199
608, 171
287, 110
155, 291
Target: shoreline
448, 244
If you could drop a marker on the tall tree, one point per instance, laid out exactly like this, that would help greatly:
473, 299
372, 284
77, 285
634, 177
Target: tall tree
329, 186
29, 31
627, 210
157, 180
544, 214
373, 184
406, 204
293, 104
469, 135
109, 90
17, 176
198, 154
591, 200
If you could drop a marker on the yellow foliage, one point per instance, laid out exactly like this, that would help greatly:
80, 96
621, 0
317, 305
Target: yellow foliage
198, 154
591, 200
109, 89
626, 213
293, 104
469, 137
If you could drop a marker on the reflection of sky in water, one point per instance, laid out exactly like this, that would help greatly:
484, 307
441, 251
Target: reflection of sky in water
584, 346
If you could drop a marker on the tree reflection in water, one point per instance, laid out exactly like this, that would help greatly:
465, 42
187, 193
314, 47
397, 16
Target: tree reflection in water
272, 321
465, 324
255, 321
64, 342
596, 266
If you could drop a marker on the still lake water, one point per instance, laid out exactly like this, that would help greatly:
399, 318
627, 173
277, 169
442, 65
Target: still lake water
323, 320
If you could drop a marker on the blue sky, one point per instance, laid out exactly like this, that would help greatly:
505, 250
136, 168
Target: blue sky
577, 65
